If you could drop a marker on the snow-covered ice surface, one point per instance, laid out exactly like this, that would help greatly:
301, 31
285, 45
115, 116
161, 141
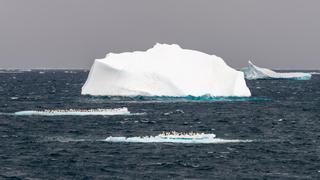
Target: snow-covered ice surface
95, 112
254, 72
159, 139
164, 70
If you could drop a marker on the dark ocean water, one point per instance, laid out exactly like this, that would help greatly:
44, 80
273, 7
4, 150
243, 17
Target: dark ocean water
282, 120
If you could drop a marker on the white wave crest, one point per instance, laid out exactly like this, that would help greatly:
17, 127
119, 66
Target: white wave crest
76, 112
159, 139
63, 139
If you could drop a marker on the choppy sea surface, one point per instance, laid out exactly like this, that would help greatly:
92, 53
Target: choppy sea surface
275, 134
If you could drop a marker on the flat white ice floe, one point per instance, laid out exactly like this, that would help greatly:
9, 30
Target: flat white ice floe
164, 70
255, 72
201, 139
75, 112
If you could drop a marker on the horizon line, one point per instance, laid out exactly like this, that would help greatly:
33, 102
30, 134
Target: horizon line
45, 68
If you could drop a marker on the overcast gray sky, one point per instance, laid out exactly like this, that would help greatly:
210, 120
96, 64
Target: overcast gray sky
72, 33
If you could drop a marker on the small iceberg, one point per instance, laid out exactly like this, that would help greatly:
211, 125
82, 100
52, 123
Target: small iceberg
316, 73
164, 70
190, 138
254, 72
75, 112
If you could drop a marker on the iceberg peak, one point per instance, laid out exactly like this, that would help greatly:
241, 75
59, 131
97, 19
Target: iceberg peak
165, 47
164, 70
159, 45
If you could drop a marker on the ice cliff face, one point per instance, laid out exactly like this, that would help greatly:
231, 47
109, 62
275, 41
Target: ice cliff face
164, 70
255, 72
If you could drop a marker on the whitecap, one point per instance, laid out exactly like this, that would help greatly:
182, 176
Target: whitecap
178, 111
63, 139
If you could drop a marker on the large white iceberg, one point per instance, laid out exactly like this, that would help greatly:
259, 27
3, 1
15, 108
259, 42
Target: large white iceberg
164, 70
254, 72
